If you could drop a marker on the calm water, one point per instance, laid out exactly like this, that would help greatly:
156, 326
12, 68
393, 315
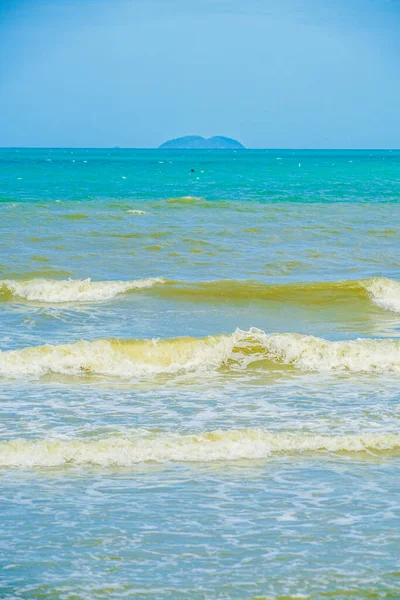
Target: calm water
199, 374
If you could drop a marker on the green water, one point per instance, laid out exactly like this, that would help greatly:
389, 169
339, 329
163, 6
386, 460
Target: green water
214, 415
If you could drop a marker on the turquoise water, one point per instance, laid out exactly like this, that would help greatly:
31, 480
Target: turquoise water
199, 374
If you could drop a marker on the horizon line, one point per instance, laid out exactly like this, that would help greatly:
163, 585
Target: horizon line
324, 149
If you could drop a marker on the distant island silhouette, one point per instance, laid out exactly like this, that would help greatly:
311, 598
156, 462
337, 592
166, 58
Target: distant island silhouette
197, 142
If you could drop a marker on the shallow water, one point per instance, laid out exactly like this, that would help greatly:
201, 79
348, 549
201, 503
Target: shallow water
199, 374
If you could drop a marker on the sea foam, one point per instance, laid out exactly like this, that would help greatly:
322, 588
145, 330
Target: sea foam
384, 292
252, 349
71, 290
141, 447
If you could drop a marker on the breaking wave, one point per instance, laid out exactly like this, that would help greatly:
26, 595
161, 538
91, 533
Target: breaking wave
252, 349
383, 292
204, 447
71, 290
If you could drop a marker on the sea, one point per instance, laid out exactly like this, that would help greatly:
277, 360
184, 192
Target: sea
199, 374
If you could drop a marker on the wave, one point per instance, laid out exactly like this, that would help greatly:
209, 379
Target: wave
204, 447
70, 290
186, 200
253, 349
383, 292
223, 290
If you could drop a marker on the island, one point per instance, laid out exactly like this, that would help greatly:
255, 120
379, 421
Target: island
197, 142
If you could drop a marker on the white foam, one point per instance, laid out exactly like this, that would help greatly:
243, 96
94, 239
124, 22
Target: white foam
72, 290
235, 352
136, 212
309, 353
141, 447
384, 292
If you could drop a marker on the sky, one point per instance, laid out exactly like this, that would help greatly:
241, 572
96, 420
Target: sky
134, 73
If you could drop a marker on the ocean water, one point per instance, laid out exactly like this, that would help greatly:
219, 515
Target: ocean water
199, 374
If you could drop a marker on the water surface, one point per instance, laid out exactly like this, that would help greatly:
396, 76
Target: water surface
199, 374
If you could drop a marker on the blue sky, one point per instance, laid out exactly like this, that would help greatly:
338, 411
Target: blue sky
133, 73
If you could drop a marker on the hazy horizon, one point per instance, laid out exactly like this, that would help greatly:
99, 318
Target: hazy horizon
134, 73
